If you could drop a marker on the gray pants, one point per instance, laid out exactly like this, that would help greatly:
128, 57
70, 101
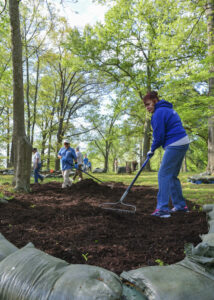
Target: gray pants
67, 182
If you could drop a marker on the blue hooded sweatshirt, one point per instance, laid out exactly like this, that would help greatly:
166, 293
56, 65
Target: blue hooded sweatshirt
68, 155
166, 124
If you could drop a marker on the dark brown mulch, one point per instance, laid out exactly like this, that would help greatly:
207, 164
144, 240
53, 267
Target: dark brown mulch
69, 224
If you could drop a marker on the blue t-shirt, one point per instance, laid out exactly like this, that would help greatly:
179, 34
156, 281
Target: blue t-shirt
85, 160
166, 124
68, 155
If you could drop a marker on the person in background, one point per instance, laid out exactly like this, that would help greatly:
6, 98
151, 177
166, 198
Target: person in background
78, 171
67, 155
85, 163
115, 165
89, 166
37, 164
169, 133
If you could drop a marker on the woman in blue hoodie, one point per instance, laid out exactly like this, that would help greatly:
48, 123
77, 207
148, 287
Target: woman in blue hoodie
169, 133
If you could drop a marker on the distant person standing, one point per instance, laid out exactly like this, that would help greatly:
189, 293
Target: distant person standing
89, 166
37, 164
78, 171
67, 155
85, 163
115, 165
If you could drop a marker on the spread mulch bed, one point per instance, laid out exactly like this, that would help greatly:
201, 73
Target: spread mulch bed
69, 224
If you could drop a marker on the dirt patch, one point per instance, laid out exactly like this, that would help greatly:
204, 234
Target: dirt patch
69, 224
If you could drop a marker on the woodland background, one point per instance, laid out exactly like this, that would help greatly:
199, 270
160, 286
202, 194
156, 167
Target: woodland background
87, 84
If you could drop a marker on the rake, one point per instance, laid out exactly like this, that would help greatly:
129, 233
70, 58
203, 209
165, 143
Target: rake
88, 174
128, 208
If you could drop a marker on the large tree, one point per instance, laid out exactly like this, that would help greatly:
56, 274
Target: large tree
210, 30
22, 147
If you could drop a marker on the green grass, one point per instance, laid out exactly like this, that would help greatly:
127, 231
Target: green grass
197, 193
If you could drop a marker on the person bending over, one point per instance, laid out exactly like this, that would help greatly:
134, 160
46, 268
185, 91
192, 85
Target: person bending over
169, 133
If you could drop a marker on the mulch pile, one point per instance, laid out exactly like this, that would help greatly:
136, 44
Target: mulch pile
69, 224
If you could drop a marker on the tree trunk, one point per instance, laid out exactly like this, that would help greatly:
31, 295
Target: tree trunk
57, 160
106, 157
61, 120
22, 147
35, 98
27, 82
43, 150
43, 146
8, 155
146, 144
147, 124
184, 165
50, 135
113, 165
11, 155
141, 151
49, 151
8, 138
210, 29
59, 143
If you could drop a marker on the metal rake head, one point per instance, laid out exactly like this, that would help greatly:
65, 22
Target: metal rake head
116, 206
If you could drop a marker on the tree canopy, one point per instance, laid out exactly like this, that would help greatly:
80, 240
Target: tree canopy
88, 84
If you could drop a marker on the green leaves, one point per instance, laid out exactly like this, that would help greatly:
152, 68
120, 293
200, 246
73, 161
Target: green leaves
142, 45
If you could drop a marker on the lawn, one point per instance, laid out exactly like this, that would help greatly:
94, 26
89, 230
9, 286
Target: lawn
198, 193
